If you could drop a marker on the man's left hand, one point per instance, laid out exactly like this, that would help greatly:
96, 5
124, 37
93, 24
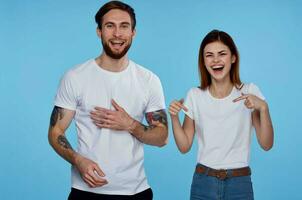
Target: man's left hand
117, 119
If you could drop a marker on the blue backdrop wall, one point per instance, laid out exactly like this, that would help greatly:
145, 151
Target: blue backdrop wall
40, 40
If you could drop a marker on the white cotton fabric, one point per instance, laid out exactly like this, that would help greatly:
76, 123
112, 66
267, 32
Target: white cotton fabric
118, 153
223, 128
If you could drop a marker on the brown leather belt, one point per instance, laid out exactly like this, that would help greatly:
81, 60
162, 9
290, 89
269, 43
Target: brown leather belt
223, 173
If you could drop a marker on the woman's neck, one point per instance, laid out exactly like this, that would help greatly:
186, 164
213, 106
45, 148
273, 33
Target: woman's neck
220, 89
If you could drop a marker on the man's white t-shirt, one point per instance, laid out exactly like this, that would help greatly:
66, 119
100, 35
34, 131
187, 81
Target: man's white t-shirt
223, 128
118, 153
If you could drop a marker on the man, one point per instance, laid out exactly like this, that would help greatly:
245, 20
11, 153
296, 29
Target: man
108, 97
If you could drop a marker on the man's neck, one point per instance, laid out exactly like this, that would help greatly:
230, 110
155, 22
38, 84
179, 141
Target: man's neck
110, 64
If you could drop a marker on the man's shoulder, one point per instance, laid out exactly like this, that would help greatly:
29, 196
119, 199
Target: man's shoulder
143, 72
79, 69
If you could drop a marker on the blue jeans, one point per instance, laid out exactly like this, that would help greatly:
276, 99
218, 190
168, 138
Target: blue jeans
206, 187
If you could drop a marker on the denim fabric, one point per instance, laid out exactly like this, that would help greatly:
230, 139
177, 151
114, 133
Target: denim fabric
211, 188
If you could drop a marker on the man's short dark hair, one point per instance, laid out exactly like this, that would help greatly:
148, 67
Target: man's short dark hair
114, 5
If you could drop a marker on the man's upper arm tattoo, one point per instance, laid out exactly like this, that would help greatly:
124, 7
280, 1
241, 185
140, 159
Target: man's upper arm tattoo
57, 113
159, 115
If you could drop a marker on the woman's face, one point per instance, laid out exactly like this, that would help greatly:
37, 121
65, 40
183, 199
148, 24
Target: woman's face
218, 60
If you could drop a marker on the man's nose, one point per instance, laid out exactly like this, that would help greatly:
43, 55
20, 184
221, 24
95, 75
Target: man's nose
117, 32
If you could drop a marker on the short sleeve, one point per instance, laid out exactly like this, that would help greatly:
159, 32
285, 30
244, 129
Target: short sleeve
189, 104
66, 96
156, 96
253, 89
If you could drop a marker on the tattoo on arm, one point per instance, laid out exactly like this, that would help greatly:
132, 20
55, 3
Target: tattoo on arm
57, 113
159, 115
146, 128
62, 140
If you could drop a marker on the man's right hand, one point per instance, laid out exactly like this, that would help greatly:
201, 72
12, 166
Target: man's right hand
90, 172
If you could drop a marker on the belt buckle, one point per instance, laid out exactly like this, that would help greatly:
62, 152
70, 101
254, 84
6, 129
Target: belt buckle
222, 174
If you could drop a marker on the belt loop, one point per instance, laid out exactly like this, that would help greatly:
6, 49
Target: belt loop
207, 170
229, 173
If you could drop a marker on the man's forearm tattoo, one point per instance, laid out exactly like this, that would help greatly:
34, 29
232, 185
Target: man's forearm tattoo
146, 128
159, 116
62, 140
57, 113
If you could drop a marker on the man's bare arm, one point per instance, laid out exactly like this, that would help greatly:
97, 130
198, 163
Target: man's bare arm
156, 133
59, 121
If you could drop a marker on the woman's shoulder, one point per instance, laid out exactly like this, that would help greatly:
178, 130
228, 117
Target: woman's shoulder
195, 91
248, 87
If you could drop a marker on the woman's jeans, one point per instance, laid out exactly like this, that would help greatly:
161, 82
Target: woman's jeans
206, 187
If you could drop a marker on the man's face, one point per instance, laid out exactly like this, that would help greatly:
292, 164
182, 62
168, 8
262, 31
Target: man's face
116, 33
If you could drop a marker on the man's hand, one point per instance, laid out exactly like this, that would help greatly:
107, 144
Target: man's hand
90, 172
117, 119
154, 134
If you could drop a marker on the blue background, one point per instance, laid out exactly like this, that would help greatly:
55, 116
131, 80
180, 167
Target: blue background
40, 40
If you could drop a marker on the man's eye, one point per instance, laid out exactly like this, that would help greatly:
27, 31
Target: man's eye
125, 26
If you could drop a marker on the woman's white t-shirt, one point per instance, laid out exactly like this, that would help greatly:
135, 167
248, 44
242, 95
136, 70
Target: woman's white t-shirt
223, 127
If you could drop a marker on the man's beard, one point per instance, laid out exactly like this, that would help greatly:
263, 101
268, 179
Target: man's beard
113, 54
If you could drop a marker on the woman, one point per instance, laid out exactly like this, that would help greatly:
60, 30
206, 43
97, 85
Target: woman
222, 112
